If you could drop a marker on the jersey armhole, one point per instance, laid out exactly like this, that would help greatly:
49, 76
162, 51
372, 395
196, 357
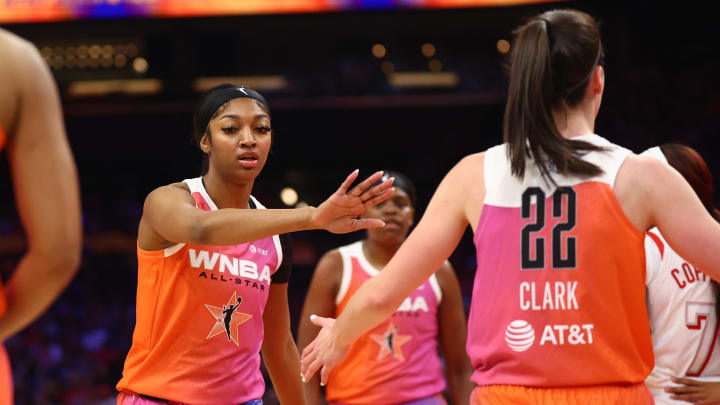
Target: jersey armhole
346, 276
654, 253
436, 287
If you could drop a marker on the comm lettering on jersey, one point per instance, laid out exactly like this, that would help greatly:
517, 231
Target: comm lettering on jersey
688, 275
245, 271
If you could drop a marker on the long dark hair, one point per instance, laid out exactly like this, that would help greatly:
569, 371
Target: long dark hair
693, 168
552, 61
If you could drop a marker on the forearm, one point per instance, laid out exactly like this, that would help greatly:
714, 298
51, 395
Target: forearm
36, 282
368, 307
283, 365
460, 386
235, 226
306, 333
313, 393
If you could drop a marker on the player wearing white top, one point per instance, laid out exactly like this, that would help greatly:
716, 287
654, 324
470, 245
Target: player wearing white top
682, 301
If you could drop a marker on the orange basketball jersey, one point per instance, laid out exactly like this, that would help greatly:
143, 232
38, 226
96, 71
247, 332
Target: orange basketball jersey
397, 361
199, 325
559, 294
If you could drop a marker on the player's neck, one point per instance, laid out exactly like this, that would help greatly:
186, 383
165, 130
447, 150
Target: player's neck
576, 121
226, 194
379, 254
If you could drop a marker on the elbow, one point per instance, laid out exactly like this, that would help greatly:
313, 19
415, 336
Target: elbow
382, 302
200, 232
59, 259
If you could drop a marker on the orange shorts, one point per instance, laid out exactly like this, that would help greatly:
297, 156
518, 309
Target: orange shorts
637, 394
6, 381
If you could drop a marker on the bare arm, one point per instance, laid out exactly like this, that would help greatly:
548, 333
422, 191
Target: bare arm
653, 193
170, 215
279, 352
320, 300
425, 250
453, 332
46, 191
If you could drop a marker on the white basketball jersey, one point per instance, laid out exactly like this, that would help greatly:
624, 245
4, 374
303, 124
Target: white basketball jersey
681, 309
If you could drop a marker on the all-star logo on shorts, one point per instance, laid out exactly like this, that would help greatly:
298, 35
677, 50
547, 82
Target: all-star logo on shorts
228, 319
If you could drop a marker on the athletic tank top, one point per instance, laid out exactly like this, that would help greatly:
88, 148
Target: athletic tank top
199, 326
398, 360
683, 319
559, 292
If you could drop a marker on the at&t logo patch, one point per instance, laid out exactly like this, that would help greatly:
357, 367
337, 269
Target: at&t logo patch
519, 335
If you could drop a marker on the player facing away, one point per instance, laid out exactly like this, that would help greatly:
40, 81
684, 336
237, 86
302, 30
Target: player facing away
397, 362
682, 301
46, 192
205, 244
559, 215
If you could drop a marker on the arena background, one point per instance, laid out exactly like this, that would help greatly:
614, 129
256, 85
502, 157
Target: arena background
353, 85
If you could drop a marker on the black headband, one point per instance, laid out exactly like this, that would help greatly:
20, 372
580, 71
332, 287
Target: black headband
598, 61
221, 95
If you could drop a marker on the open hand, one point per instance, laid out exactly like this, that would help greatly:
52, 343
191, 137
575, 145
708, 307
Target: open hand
338, 214
695, 391
322, 353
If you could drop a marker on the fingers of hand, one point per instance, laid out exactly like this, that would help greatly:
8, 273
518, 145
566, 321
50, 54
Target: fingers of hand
368, 223
320, 321
324, 374
375, 190
365, 184
349, 180
307, 356
312, 369
379, 198
686, 381
688, 397
682, 390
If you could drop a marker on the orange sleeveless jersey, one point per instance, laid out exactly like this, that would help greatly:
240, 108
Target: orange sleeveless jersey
559, 294
397, 361
199, 324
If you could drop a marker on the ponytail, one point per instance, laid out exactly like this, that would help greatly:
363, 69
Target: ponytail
550, 60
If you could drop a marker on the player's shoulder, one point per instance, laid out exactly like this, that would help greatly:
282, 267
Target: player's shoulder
174, 191
472, 161
15, 48
466, 170
642, 171
331, 261
13, 42
330, 267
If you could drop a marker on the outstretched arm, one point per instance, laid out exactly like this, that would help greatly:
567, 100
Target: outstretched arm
46, 187
279, 352
171, 214
427, 247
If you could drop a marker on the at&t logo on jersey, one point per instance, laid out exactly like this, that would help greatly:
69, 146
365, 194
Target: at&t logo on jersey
257, 250
520, 335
